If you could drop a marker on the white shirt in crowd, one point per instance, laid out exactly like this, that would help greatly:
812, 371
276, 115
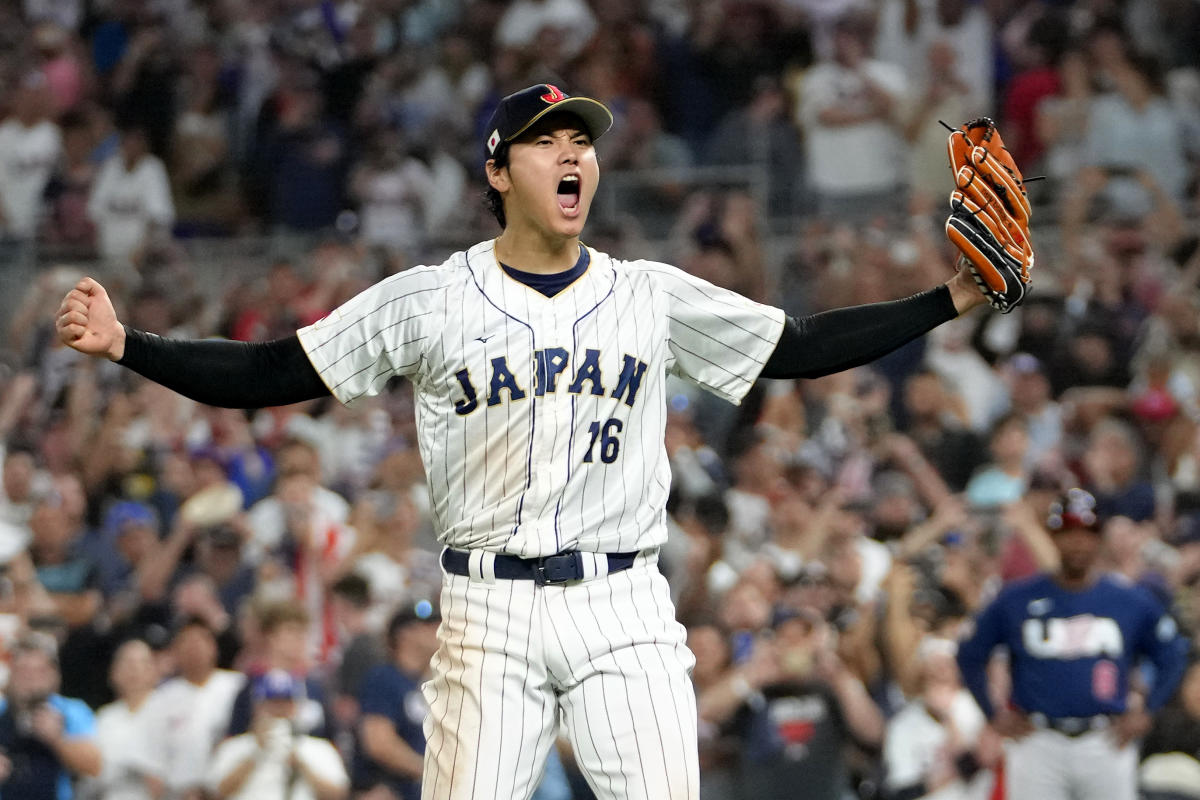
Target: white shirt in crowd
272, 774
526, 19
184, 723
913, 740
121, 734
28, 157
126, 204
851, 159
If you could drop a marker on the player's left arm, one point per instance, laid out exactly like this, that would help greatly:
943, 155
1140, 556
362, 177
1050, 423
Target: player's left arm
836, 340
1160, 642
1166, 649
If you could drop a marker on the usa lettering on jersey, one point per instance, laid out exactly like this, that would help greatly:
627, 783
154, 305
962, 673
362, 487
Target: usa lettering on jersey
1081, 636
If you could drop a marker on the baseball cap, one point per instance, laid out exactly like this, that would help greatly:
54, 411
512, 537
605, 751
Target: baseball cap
521, 109
129, 512
1074, 509
277, 684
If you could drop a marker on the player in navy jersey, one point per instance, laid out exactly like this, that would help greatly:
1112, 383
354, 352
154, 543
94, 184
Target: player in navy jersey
1073, 638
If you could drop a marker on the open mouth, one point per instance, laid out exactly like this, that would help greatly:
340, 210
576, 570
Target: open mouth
568, 194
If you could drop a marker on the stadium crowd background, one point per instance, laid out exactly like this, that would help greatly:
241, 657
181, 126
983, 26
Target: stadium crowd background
238, 169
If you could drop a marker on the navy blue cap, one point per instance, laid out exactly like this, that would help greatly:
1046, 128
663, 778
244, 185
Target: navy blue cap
278, 684
521, 109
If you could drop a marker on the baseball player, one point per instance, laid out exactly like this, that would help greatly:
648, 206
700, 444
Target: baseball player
539, 367
1073, 637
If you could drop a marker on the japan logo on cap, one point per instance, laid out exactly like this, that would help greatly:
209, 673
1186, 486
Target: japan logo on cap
493, 140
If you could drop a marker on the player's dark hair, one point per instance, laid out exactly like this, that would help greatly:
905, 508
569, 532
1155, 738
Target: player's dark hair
491, 197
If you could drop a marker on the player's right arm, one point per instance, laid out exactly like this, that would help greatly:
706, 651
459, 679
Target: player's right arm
212, 371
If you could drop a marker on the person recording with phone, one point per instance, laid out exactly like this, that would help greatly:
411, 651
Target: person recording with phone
272, 760
46, 740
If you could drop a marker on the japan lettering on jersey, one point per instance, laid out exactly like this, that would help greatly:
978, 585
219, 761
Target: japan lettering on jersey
541, 419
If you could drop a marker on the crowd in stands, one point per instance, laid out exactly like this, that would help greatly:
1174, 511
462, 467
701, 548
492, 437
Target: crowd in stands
204, 603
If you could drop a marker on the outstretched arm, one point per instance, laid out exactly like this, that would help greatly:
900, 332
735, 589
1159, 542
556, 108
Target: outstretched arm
832, 341
215, 372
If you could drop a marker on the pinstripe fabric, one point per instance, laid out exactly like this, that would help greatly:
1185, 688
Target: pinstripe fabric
605, 657
541, 424
510, 475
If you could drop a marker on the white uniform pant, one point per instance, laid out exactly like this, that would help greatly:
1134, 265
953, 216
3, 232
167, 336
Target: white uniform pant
604, 657
1048, 765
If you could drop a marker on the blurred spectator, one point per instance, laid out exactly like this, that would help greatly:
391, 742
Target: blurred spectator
303, 162
201, 177
930, 745
1029, 390
121, 727
718, 749
22, 487
273, 759
302, 527
71, 186
943, 95
144, 81
847, 113
1005, 479
60, 62
130, 203
523, 24
361, 647
284, 627
908, 27
391, 740
935, 421
797, 710
30, 147
393, 188
1062, 119
1171, 750
1038, 59
70, 577
46, 740
761, 132
1131, 130
1113, 471
188, 715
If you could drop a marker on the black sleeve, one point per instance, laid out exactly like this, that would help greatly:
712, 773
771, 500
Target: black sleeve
832, 341
218, 372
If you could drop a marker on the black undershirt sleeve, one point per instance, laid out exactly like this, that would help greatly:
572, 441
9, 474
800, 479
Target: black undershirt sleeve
218, 372
829, 342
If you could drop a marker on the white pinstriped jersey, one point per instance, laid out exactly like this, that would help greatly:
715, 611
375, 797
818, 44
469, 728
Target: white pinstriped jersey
541, 419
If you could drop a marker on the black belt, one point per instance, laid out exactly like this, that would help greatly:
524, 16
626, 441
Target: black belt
547, 570
1072, 726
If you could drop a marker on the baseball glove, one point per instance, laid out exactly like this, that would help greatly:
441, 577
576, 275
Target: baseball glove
989, 214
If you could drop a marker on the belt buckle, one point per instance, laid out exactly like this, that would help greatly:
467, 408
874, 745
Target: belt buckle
558, 569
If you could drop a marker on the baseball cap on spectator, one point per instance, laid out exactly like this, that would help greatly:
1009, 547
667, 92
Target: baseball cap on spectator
517, 112
1025, 364
784, 614
1154, 405
127, 513
277, 684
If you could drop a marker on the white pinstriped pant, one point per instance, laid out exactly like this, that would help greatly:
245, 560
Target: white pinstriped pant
604, 656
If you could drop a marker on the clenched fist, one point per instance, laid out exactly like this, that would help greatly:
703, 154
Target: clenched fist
87, 322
